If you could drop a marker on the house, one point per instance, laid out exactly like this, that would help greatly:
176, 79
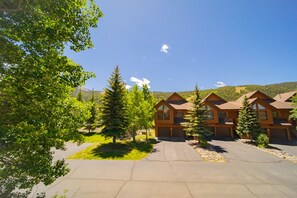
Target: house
273, 114
222, 116
169, 115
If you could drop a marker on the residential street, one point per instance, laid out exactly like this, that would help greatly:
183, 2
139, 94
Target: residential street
175, 170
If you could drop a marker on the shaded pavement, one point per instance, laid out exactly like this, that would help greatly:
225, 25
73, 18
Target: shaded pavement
175, 170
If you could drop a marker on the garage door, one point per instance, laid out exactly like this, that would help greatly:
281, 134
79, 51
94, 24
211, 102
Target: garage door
163, 132
178, 132
223, 132
278, 134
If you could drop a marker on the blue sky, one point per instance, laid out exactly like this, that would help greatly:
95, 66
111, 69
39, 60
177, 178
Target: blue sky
235, 42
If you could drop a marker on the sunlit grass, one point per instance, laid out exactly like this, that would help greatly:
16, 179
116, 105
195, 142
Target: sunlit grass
104, 149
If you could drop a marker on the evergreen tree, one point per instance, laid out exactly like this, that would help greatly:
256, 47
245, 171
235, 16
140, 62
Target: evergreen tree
248, 121
92, 119
114, 107
294, 110
147, 109
195, 124
79, 95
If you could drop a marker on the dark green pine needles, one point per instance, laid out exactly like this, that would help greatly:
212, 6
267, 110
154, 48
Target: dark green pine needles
114, 107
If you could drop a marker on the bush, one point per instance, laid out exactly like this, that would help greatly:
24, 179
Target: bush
203, 143
262, 140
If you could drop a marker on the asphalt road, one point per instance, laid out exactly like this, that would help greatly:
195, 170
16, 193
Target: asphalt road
175, 170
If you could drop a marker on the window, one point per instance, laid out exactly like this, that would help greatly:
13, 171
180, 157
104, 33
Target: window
209, 115
260, 110
274, 114
180, 114
207, 108
262, 115
163, 113
222, 114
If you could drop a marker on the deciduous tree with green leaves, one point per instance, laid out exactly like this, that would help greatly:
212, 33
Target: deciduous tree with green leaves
195, 119
92, 105
148, 109
79, 95
135, 110
248, 121
114, 114
37, 111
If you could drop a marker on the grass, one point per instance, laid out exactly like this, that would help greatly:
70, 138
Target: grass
104, 149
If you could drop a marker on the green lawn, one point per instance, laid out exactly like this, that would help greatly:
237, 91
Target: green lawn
104, 149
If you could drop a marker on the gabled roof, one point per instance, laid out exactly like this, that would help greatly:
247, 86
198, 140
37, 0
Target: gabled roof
281, 105
214, 95
285, 97
248, 95
181, 106
180, 98
251, 94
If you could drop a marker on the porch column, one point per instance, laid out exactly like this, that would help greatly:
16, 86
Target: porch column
170, 131
289, 134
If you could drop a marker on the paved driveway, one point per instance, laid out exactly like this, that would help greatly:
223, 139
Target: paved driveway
174, 171
173, 151
288, 146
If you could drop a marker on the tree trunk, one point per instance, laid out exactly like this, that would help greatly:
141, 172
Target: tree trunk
146, 134
89, 128
114, 140
134, 134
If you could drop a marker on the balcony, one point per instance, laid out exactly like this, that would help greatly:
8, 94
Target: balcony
178, 120
281, 121
228, 121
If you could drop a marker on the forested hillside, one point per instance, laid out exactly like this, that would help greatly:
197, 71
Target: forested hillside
231, 93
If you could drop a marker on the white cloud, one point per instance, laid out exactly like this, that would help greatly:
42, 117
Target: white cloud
140, 82
220, 84
128, 86
165, 48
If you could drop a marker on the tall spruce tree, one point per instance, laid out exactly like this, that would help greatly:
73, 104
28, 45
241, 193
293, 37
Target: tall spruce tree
248, 121
114, 107
92, 119
195, 119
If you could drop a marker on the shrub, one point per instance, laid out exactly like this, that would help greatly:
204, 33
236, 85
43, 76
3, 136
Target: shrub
203, 143
262, 140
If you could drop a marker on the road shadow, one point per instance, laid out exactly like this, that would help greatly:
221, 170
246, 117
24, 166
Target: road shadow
218, 149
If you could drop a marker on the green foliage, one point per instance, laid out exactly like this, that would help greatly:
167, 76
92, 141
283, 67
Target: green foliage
37, 112
114, 114
123, 150
195, 124
248, 121
135, 111
148, 109
92, 105
262, 140
294, 110
203, 143
79, 96
231, 93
